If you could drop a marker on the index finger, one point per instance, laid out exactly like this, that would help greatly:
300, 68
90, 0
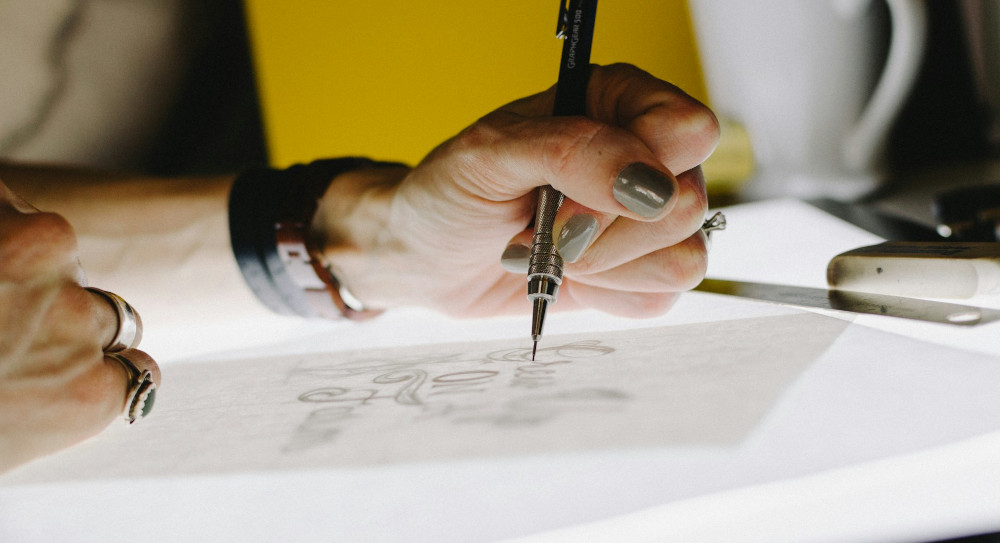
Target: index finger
601, 166
678, 129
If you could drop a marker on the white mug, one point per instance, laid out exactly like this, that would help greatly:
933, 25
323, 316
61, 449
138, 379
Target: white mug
801, 77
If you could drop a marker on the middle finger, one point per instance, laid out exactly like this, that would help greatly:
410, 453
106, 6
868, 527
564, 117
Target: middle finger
621, 240
676, 268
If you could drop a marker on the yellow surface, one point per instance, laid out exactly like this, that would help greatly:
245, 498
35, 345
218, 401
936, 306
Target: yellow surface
732, 163
392, 79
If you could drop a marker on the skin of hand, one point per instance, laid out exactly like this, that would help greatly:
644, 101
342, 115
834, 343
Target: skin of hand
56, 386
433, 236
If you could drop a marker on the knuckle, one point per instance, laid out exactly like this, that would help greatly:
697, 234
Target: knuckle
51, 228
488, 133
80, 393
588, 263
697, 121
697, 127
574, 136
623, 68
492, 130
94, 394
621, 71
690, 212
690, 263
688, 124
75, 307
483, 133
143, 361
691, 208
473, 155
37, 241
595, 260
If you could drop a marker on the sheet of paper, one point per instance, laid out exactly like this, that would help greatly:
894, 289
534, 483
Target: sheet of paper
699, 384
869, 397
873, 410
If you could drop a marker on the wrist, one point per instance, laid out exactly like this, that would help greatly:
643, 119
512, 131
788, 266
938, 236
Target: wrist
270, 218
351, 226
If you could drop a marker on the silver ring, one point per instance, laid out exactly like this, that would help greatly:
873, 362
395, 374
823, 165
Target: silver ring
141, 393
129, 332
715, 222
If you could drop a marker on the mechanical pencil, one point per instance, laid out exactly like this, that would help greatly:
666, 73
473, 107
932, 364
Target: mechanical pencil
576, 28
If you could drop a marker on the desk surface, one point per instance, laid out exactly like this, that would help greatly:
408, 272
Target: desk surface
890, 435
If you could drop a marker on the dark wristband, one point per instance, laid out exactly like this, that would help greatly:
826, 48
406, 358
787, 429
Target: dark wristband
270, 212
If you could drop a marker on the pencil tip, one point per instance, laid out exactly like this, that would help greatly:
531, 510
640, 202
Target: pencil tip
534, 349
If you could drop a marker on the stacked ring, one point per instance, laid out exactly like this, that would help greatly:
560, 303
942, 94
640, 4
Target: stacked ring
141, 392
129, 332
713, 223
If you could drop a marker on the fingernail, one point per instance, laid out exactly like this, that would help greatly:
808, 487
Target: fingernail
643, 190
515, 258
576, 236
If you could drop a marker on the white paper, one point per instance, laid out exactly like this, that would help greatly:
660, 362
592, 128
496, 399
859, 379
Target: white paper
874, 439
870, 397
699, 384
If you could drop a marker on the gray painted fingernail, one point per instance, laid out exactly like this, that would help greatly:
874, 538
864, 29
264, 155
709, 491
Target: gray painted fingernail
515, 258
643, 190
576, 236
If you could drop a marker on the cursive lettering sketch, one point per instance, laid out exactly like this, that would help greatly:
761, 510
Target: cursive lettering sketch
458, 389
703, 384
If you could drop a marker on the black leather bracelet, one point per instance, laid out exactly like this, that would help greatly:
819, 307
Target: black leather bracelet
269, 216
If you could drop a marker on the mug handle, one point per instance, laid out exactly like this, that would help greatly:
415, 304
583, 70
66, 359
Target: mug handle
864, 144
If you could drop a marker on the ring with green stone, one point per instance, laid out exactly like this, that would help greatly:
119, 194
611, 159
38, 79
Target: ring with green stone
141, 392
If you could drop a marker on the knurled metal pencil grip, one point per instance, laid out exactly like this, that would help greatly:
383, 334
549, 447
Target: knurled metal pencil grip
545, 267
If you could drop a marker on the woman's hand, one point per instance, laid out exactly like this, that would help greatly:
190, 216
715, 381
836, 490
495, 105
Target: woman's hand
57, 387
629, 228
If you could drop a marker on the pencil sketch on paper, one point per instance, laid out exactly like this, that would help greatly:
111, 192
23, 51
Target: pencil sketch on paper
451, 387
705, 384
